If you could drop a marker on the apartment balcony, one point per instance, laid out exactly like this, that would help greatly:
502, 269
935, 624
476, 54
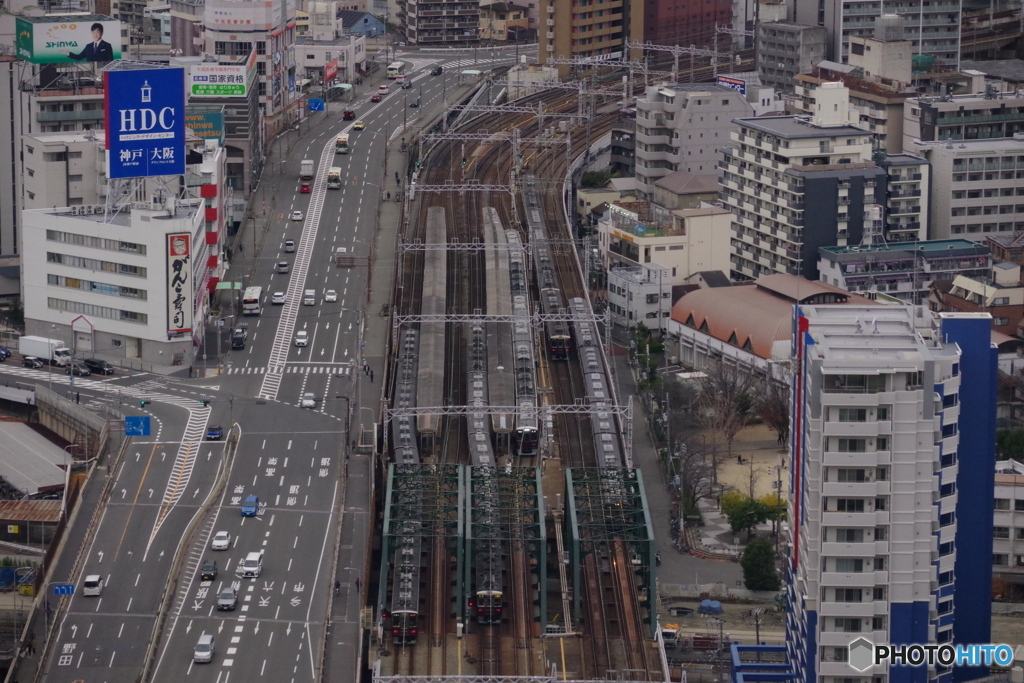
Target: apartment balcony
859, 580
865, 489
847, 609
49, 116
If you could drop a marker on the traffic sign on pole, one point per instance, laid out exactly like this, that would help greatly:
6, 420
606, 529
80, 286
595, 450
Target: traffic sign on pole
136, 425
63, 589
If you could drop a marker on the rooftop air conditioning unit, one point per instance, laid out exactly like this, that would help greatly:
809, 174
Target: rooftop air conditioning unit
88, 209
74, 210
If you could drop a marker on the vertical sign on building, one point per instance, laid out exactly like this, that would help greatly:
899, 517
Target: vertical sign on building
145, 122
179, 283
330, 70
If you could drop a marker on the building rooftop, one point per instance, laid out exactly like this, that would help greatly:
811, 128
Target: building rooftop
754, 317
1009, 70
957, 101
692, 87
796, 127
903, 159
684, 182
973, 147
715, 278
926, 249
45, 511
28, 461
502, 7
870, 336
350, 17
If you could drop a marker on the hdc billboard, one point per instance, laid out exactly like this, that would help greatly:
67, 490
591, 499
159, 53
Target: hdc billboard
145, 122
55, 39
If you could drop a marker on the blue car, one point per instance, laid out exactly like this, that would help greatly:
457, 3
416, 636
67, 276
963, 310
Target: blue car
4, 354
250, 506
214, 433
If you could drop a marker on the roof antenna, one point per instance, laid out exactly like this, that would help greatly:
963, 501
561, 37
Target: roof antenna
874, 326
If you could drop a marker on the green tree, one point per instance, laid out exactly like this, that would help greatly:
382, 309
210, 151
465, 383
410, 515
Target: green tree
595, 179
745, 515
775, 506
730, 501
1009, 444
758, 562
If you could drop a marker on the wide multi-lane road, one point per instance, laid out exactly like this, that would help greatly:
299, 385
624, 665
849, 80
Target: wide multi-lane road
292, 458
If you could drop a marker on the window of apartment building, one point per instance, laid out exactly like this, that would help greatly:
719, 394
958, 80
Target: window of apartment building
844, 474
946, 548
847, 624
849, 505
1002, 504
75, 178
947, 490
947, 519
853, 414
849, 565
882, 503
849, 535
97, 311
845, 445
1001, 532
882, 474
849, 594
882, 443
31, 150
1000, 559
877, 623
1018, 505
1000, 321
881, 533
30, 172
880, 564
946, 578
948, 459
878, 593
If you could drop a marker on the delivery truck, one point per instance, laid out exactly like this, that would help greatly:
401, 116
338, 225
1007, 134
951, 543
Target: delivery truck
52, 351
307, 169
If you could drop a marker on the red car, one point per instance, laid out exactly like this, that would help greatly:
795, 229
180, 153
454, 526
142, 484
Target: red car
304, 188
375, 97
349, 115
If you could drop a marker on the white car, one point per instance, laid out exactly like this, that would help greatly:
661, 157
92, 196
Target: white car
330, 296
308, 400
277, 298
301, 338
296, 215
221, 541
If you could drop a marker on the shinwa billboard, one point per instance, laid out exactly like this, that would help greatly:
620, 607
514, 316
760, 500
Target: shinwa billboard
56, 39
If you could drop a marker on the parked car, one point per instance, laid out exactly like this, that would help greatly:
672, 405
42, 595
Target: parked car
32, 362
214, 433
208, 571
308, 400
77, 369
99, 367
221, 540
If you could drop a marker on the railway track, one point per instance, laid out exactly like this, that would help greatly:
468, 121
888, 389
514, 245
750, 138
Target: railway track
506, 649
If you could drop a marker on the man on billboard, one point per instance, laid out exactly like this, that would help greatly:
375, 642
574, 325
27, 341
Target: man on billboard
98, 50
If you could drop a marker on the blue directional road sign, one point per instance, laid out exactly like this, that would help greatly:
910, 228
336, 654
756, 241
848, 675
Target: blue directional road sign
136, 425
316, 105
63, 589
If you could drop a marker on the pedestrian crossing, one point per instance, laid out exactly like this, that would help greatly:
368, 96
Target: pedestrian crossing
293, 370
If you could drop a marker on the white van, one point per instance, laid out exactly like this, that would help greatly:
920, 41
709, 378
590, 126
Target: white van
203, 653
309, 298
93, 585
251, 566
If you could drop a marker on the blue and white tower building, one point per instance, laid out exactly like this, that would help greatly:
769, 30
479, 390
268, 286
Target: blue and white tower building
891, 488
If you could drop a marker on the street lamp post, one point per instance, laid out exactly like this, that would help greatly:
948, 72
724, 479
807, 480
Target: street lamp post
67, 481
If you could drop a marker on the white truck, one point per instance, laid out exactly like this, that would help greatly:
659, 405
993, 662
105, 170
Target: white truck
52, 351
306, 172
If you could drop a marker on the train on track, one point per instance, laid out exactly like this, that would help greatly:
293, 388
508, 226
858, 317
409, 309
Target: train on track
527, 436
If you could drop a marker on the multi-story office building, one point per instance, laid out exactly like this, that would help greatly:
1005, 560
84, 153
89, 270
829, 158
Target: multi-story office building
440, 22
1008, 522
879, 107
785, 49
902, 270
684, 23
684, 241
63, 169
187, 27
962, 117
906, 211
571, 29
233, 30
934, 29
640, 294
795, 184
892, 465
976, 187
682, 127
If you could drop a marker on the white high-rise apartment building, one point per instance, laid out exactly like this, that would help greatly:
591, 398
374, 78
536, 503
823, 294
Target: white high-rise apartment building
892, 471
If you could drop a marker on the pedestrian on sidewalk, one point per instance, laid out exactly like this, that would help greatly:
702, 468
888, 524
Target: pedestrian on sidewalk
190, 371
359, 584
337, 587
78, 397
371, 376
389, 196
241, 247
657, 559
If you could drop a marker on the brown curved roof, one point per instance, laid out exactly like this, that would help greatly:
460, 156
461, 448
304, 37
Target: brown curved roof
748, 312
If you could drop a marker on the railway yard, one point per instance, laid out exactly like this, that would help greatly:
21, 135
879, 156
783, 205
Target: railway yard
515, 532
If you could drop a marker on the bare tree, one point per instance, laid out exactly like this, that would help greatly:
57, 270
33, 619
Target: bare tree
725, 402
754, 474
773, 408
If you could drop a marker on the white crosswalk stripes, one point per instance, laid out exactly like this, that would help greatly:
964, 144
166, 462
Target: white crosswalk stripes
294, 369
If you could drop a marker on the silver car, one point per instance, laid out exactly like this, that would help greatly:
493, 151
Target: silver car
308, 400
227, 599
